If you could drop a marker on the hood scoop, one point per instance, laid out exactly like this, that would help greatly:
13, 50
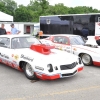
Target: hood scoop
41, 48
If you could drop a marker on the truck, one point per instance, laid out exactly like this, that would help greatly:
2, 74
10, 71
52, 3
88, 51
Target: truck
78, 24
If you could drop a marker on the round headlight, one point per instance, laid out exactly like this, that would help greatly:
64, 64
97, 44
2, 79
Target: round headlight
48, 66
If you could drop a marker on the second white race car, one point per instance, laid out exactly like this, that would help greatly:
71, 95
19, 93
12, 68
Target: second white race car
89, 51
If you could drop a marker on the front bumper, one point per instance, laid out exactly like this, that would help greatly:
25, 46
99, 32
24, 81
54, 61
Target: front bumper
56, 76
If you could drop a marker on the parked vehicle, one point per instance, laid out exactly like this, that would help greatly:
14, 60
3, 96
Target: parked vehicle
26, 53
89, 50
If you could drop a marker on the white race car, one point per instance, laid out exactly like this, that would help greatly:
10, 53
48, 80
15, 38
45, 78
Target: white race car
89, 51
26, 53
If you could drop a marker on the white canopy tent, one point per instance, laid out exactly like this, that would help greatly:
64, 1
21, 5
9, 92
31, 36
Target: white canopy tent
5, 17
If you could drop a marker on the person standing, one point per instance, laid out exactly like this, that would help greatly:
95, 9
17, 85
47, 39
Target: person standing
2, 30
14, 30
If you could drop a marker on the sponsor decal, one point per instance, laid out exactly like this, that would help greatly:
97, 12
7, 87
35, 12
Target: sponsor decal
16, 57
60, 48
13, 65
74, 49
40, 68
26, 58
4, 56
67, 47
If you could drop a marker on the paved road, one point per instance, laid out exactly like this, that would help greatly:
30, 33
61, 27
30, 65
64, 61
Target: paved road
83, 86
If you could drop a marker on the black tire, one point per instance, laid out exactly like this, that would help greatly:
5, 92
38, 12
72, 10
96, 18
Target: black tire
86, 59
29, 72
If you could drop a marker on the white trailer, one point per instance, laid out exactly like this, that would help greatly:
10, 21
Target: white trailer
24, 27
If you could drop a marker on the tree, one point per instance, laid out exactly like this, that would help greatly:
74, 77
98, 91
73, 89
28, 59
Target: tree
2, 7
23, 14
10, 6
60, 9
39, 6
82, 9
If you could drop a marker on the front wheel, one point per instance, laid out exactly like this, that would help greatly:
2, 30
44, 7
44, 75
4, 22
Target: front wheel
86, 59
29, 72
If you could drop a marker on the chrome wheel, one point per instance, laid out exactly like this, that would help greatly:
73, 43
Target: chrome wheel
29, 70
86, 59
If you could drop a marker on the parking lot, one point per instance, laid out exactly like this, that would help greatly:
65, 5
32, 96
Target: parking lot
83, 86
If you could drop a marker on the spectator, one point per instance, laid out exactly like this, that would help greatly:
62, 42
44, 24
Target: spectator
14, 31
2, 30
85, 32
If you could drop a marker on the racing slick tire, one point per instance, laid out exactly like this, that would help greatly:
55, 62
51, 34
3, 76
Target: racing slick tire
86, 59
29, 72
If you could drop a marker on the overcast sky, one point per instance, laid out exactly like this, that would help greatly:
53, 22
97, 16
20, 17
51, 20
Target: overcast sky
69, 3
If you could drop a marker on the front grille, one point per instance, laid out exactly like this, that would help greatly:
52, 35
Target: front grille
69, 74
68, 66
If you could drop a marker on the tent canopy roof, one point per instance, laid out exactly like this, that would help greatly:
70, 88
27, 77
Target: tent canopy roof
5, 17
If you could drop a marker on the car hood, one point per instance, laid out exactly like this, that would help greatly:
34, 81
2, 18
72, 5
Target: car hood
55, 57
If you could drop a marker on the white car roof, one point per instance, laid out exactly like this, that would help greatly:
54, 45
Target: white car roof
12, 36
60, 35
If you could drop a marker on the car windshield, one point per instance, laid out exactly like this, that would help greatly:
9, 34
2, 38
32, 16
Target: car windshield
24, 42
77, 40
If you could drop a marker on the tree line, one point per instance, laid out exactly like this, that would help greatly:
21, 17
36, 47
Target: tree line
36, 8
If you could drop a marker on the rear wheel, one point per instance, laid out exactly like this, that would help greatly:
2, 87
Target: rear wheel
29, 72
86, 59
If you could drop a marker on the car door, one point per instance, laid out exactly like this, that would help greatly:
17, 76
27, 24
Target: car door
62, 43
5, 51
66, 42
15, 46
8, 55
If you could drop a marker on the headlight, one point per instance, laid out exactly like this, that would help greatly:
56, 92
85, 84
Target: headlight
50, 68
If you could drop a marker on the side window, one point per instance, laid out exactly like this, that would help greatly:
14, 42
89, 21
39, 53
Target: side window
5, 42
61, 39
56, 39
65, 40
15, 43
